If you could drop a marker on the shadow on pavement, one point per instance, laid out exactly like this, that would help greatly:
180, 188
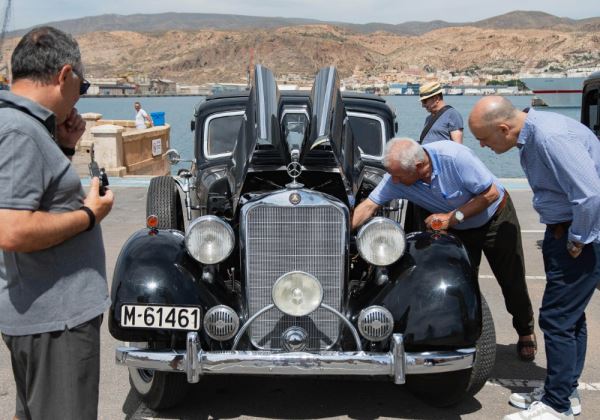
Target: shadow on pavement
299, 398
508, 366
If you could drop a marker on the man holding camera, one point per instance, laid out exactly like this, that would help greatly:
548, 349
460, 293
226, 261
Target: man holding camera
53, 287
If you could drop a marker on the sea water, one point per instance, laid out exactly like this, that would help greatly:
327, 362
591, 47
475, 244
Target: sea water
411, 116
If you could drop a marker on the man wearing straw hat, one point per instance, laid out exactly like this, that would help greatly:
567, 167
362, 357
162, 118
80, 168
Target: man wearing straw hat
444, 122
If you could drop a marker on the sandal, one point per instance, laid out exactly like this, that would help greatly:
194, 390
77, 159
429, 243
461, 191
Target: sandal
523, 345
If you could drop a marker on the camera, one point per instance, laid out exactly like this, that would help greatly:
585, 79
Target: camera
101, 174
96, 171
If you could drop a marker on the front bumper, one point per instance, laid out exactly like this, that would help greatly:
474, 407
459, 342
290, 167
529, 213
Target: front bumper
395, 364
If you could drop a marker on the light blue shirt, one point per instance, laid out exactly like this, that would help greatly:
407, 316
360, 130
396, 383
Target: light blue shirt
561, 159
457, 176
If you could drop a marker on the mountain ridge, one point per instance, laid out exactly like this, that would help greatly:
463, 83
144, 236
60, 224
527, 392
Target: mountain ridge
296, 52
159, 22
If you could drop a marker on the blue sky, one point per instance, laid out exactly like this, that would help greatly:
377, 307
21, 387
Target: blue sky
27, 13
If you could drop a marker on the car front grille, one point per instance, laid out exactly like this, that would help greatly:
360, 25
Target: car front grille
280, 239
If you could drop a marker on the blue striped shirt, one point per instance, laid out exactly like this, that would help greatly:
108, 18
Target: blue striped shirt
457, 176
561, 159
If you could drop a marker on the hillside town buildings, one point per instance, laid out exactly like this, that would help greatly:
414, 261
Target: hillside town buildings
388, 82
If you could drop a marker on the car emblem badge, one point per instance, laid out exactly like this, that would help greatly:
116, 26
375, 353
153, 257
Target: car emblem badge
295, 198
294, 169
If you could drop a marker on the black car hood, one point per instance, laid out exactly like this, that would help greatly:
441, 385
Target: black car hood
329, 124
259, 140
328, 145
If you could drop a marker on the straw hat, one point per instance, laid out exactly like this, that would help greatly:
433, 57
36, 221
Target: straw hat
429, 89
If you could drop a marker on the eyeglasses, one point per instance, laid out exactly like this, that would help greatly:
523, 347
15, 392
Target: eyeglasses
84, 86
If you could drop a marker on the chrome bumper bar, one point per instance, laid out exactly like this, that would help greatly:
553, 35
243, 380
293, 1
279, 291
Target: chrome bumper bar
395, 364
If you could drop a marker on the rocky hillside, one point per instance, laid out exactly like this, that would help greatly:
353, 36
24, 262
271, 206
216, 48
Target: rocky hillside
218, 55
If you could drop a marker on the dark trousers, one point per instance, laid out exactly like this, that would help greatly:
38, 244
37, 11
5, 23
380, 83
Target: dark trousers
57, 374
500, 240
570, 283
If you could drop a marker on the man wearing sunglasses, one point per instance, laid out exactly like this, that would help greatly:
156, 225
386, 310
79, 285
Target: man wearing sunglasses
53, 287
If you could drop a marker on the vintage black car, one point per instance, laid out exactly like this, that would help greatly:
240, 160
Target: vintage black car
590, 103
248, 264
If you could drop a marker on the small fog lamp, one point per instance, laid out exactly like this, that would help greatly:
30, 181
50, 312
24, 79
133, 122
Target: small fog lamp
209, 240
297, 293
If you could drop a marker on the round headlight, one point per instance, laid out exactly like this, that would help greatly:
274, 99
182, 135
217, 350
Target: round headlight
209, 239
381, 241
297, 293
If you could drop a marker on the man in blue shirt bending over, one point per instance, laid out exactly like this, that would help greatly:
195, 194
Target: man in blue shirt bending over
447, 179
561, 159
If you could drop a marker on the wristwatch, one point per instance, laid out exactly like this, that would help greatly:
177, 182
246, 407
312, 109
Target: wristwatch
459, 216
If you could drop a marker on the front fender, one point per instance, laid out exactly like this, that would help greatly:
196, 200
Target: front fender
432, 295
155, 268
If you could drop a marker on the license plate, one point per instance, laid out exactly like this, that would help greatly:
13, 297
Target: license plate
170, 317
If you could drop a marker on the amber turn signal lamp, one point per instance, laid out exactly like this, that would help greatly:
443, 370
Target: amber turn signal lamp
152, 221
436, 224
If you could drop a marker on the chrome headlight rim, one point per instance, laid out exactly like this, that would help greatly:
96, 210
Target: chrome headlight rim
282, 278
210, 218
375, 221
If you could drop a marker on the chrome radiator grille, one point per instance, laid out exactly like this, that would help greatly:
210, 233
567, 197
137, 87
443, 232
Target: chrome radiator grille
283, 239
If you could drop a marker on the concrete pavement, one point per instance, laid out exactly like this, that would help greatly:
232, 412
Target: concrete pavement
279, 398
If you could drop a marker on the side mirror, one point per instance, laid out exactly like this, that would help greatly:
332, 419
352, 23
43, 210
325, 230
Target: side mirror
173, 156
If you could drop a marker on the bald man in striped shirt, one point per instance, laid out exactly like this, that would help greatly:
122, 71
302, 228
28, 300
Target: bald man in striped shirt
561, 159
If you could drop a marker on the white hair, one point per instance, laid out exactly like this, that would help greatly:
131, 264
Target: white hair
405, 152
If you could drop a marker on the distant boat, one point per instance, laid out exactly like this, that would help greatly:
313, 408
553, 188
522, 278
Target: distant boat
454, 91
557, 90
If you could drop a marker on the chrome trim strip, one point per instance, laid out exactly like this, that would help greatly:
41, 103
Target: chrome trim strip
348, 324
262, 125
399, 355
192, 365
325, 111
395, 364
247, 324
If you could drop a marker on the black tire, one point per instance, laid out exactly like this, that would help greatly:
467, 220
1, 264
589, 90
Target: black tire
159, 390
446, 389
163, 201
485, 357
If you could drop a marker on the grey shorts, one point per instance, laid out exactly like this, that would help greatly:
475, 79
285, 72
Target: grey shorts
57, 374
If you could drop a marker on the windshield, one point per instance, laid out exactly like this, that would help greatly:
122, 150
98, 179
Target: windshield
294, 124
